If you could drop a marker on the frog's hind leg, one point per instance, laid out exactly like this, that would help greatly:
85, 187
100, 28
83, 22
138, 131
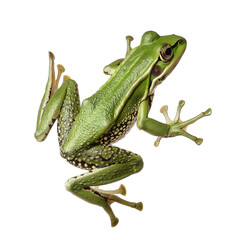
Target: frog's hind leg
57, 103
109, 164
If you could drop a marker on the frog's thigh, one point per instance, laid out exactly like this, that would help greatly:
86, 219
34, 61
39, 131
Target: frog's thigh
112, 164
121, 164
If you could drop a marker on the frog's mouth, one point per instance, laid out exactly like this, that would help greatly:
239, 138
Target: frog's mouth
178, 50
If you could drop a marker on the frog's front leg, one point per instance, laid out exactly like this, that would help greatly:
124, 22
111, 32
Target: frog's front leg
109, 164
111, 68
172, 128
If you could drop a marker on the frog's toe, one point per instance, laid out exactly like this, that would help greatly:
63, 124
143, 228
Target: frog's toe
164, 111
199, 141
123, 190
139, 206
156, 143
114, 222
208, 112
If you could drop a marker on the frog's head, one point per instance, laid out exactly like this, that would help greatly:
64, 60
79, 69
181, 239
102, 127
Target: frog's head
169, 50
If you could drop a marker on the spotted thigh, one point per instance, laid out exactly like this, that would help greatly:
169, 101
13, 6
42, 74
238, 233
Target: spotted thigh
99, 157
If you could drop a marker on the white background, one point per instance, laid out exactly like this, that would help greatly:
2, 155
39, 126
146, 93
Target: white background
188, 191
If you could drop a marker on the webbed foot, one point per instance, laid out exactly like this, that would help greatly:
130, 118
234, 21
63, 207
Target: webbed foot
178, 127
110, 196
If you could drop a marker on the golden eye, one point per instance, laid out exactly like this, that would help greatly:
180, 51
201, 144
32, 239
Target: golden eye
166, 53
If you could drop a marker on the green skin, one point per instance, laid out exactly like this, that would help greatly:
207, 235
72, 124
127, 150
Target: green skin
86, 133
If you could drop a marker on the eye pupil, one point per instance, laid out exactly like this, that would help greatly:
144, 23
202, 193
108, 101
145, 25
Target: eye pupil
168, 51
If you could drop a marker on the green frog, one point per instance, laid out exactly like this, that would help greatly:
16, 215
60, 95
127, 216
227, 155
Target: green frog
86, 132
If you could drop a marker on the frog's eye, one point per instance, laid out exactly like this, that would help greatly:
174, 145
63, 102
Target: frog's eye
166, 53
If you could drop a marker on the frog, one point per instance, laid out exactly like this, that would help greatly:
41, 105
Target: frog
87, 131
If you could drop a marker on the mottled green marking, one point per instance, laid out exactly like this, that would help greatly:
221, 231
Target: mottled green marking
69, 111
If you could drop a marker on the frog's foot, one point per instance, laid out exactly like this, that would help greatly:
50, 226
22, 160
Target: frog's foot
61, 69
178, 127
110, 196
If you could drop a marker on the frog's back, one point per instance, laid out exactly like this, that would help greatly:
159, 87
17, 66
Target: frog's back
99, 112
92, 121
